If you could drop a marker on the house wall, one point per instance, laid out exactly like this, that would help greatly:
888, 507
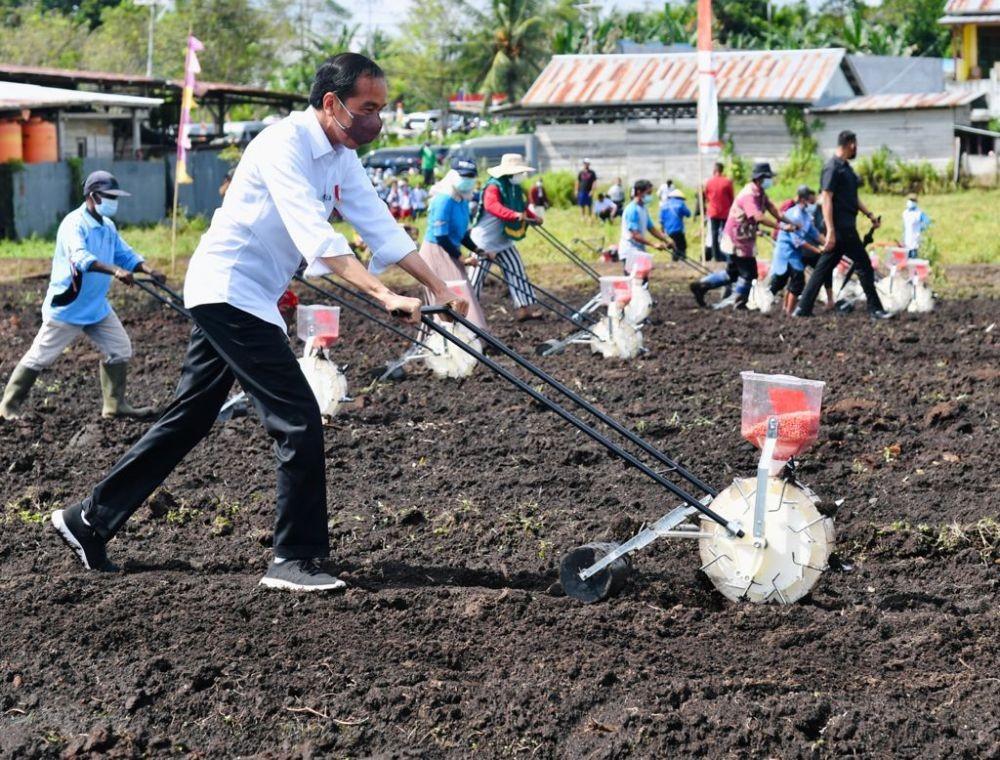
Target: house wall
654, 150
926, 134
86, 138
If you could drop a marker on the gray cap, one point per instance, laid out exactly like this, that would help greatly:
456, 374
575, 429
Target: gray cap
104, 183
804, 191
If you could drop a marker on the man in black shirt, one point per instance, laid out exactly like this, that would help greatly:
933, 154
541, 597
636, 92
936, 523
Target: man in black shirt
584, 188
841, 205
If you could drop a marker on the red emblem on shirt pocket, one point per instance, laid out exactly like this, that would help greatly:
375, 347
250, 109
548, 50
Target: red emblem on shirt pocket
336, 193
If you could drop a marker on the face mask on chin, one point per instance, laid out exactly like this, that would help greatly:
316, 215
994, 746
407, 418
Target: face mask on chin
364, 127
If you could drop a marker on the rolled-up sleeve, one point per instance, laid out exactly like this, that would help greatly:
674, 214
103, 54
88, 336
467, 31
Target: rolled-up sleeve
72, 238
303, 214
364, 210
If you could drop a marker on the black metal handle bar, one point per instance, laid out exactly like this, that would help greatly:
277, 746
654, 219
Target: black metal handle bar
578, 323
357, 310
174, 301
426, 315
168, 290
566, 251
696, 266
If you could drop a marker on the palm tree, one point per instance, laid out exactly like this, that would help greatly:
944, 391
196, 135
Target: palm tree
510, 48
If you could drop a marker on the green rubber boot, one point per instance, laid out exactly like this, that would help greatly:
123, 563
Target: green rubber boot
113, 387
18, 387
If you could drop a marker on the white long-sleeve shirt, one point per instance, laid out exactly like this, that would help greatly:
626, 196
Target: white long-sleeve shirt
276, 213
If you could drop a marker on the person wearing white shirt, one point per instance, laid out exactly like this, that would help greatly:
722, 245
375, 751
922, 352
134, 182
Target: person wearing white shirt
275, 214
664, 191
915, 221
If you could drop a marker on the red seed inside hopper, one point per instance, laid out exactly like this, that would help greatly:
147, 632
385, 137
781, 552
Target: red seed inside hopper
796, 432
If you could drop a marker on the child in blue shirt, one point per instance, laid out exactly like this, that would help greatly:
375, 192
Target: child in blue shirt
788, 265
672, 215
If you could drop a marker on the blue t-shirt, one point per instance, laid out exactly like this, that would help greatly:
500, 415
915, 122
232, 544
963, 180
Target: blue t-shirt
447, 217
80, 242
635, 218
672, 214
788, 248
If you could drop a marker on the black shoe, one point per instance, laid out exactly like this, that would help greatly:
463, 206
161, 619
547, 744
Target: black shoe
82, 539
300, 575
698, 291
881, 314
801, 313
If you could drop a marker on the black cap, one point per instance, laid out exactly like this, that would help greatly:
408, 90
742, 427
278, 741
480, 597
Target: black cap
104, 183
762, 169
804, 191
464, 167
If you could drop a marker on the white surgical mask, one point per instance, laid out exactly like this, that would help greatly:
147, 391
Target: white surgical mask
465, 185
107, 207
517, 179
911, 205
810, 208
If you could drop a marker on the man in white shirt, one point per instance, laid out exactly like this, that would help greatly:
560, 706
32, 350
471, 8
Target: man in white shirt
915, 221
275, 214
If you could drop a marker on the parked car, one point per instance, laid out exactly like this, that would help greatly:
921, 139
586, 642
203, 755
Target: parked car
487, 151
398, 159
420, 121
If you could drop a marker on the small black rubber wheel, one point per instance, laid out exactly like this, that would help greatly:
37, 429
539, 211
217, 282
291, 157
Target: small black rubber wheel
598, 587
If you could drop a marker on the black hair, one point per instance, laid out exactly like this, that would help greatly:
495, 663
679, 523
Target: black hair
846, 138
720, 167
340, 74
640, 186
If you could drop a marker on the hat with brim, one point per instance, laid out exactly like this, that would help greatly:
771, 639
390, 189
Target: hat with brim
104, 183
761, 170
676, 194
510, 163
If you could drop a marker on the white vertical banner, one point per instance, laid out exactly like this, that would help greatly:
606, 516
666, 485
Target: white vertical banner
708, 104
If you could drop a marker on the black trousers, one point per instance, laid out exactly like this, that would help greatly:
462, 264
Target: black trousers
793, 278
714, 252
680, 245
848, 244
226, 344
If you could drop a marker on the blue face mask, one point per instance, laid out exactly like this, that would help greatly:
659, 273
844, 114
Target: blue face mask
107, 207
767, 183
465, 185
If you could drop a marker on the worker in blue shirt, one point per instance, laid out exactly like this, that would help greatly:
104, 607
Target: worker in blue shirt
448, 223
672, 214
792, 247
637, 226
89, 252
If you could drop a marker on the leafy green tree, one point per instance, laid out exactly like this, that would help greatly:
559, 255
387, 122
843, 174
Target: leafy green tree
31, 36
508, 47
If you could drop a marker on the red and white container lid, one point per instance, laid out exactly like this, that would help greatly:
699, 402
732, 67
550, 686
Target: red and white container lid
319, 322
616, 290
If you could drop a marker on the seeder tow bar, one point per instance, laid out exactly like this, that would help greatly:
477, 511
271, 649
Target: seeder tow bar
163, 293
788, 543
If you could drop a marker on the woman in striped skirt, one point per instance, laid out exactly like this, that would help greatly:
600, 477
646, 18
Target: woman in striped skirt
502, 219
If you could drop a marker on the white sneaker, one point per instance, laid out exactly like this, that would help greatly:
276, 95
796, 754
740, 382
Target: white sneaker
300, 575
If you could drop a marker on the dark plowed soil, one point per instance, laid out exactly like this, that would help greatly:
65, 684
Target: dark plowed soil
450, 506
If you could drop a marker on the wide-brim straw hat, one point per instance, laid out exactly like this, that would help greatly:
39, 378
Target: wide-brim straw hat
510, 163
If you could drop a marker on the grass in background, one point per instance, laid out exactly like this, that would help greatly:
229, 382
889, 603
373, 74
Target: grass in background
965, 230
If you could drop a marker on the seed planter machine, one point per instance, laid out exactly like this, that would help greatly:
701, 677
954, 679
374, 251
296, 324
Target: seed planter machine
761, 539
626, 301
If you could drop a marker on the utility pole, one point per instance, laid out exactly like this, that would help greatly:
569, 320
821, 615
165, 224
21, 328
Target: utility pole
152, 23
591, 10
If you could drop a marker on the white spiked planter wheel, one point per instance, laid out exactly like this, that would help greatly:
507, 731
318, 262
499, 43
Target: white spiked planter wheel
785, 565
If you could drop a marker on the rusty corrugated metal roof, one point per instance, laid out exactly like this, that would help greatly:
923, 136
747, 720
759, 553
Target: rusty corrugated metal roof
972, 6
764, 76
902, 102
